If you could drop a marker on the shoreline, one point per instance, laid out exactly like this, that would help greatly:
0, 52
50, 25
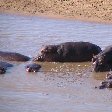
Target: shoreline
85, 13
58, 17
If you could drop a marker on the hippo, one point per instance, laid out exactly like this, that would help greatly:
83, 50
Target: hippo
10, 56
4, 66
33, 67
2, 70
106, 83
103, 61
68, 52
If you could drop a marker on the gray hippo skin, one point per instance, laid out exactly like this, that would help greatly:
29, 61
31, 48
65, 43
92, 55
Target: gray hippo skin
106, 83
4, 66
103, 61
10, 56
68, 52
33, 67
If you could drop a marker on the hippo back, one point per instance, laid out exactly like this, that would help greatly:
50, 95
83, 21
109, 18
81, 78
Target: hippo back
10, 56
78, 51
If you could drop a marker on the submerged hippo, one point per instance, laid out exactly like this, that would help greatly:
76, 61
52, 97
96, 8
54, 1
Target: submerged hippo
103, 61
68, 52
106, 83
10, 56
4, 66
33, 67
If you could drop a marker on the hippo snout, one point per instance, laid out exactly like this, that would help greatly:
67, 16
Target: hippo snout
39, 58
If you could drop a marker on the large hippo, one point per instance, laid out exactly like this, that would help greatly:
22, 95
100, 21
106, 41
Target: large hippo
103, 61
4, 66
68, 52
10, 56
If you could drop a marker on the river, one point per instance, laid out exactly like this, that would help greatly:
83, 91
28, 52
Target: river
57, 87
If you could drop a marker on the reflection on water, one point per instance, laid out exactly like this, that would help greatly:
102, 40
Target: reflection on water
57, 87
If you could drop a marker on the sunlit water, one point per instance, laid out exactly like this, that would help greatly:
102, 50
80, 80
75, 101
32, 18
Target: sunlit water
57, 87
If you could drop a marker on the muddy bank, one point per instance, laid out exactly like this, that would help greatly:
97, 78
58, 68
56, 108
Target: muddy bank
86, 10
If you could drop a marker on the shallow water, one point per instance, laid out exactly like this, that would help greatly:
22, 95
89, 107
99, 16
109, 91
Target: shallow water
58, 87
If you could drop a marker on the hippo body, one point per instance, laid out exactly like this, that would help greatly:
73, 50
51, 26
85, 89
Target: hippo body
10, 56
103, 61
4, 66
33, 67
68, 52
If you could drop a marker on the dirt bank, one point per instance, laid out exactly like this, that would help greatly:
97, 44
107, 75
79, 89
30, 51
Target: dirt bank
87, 10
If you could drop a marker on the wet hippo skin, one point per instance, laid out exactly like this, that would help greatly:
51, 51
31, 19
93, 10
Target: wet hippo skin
68, 52
107, 83
4, 66
33, 67
103, 61
10, 56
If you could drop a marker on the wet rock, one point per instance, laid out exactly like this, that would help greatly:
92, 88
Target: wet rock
33, 67
68, 52
11, 56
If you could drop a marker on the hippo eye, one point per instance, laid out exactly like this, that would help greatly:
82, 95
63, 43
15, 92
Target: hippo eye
39, 57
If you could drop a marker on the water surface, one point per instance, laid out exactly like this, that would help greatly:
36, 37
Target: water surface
58, 87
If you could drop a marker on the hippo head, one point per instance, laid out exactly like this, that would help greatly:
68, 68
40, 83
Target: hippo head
100, 64
49, 49
48, 53
33, 67
2, 70
105, 84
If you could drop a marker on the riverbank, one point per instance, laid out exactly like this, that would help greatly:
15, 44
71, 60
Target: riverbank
85, 10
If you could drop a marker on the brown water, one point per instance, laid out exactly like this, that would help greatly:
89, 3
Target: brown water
58, 87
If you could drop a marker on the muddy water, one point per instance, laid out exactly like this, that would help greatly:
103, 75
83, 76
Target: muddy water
58, 87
